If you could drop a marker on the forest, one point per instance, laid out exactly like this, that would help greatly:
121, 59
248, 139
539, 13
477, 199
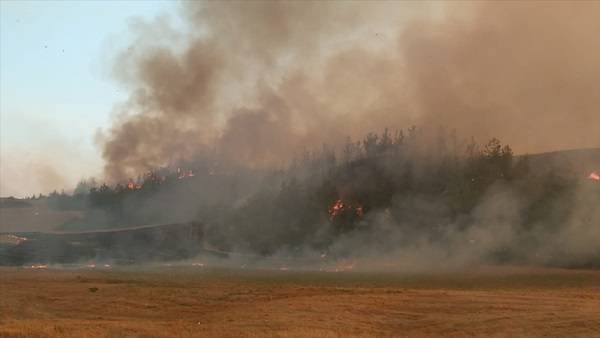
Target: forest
397, 193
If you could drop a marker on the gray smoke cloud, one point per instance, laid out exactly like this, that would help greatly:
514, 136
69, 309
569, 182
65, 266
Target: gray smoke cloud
256, 81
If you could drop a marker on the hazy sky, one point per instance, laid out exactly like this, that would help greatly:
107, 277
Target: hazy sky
55, 86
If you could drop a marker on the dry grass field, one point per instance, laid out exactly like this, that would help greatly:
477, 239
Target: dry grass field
207, 302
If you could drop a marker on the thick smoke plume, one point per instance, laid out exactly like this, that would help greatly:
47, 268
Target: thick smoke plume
256, 81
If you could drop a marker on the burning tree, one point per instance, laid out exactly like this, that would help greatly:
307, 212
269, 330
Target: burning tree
416, 187
345, 214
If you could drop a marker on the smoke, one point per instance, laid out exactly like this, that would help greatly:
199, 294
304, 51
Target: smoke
220, 88
259, 80
514, 68
39, 175
250, 84
493, 233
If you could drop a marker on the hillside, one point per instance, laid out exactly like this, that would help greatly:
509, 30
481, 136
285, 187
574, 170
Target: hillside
34, 215
39, 215
576, 162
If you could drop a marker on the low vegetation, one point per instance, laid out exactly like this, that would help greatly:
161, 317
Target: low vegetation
385, 192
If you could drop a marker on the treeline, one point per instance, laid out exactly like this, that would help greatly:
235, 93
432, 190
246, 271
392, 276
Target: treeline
399, 190
367, 172
374, 174
384, 192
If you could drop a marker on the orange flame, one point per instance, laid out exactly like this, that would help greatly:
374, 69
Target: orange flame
336, 208
181, 174
131, 185
37, 266
339, 206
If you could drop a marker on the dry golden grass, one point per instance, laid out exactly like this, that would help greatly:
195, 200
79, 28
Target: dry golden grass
200, 302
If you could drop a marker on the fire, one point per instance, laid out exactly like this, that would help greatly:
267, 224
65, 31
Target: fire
37, 266
594, 176
336, 209
339, 206
344, 266
11, 239
156, 178
340, 266
181, 174
131, 185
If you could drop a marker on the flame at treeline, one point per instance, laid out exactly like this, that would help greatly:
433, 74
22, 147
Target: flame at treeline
158, 177
339, 207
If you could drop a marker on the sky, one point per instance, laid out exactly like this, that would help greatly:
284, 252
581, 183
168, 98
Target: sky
56, 88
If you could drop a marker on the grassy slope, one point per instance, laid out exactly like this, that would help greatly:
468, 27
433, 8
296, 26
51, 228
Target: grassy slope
38, 217
579, 162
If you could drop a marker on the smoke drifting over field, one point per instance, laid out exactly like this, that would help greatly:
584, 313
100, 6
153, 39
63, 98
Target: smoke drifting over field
256, 81
248, 88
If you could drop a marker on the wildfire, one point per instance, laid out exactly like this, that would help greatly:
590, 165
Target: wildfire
181, 174
155, 177
339, 206
594, 176
340, 266
335, 209
131, 185
344, 266
11, 239
37, 266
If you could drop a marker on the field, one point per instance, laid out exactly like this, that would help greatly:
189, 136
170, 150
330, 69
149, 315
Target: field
197, 301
